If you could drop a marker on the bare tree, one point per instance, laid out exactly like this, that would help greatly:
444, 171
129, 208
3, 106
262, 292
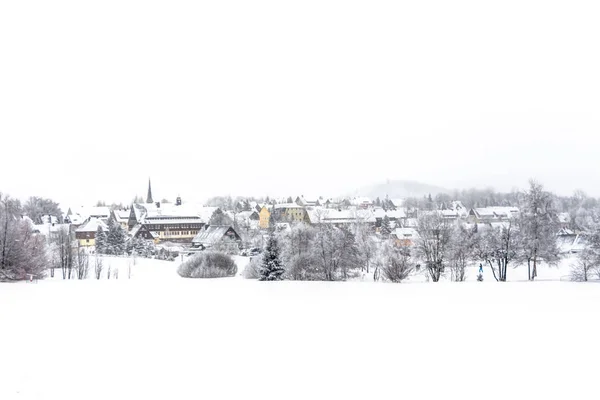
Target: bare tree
433, 243
336, 250
538, 224
98, 267
397, 264
367, 247
23, 254
586, 264
462, 248
63, 247
498, 247
82, 263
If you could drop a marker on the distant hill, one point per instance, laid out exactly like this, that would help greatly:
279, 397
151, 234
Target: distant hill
400, 189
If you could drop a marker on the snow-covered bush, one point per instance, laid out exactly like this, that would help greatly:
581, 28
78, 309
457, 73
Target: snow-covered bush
303, 267
396, 263
209, 264
252, 270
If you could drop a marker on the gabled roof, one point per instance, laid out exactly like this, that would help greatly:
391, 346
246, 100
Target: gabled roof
405, 233
92, 225
286, 206
380, 213
211, 235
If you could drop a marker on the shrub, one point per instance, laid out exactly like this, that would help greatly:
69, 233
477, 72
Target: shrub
252, 270
208, 265
396, 265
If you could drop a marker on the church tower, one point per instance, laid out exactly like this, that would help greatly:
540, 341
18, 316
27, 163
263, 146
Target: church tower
149, 199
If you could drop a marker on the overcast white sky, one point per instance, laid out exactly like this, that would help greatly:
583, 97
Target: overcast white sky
305, 97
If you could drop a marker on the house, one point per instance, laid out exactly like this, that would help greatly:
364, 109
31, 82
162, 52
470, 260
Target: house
122, 218
340, 218
143, 232
404, 237
264, 217
170, 222
86, 234
290, 212
78, 215
214, 235
301, 201
248, 220
397, 216
492, 214
362, 202
50, 230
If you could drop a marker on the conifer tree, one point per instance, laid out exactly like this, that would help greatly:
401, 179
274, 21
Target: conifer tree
385, 228
115, 238
271, 268
100, 240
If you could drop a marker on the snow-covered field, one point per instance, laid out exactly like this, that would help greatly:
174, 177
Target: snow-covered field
159, 336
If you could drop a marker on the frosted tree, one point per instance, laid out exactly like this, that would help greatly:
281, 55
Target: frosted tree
461, 252
115, 238
62, 245
499, 248
100, 240
82, 263
385, 227
22, 253
36, 207
538, 224
272, 267
337, 252
433, 243
396, 263
367, 247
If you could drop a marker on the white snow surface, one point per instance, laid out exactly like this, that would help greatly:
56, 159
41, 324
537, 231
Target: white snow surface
159, 336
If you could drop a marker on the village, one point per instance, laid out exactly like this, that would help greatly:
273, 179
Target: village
242, 227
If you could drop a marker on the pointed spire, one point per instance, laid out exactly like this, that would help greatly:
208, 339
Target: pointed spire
149, 199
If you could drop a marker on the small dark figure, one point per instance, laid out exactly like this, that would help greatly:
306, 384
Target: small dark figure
480, 268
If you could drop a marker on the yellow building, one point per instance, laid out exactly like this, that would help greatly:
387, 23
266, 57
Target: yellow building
290, 212
264, 217
86, 233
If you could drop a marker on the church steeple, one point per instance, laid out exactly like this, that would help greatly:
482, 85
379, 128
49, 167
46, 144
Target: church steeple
149, 199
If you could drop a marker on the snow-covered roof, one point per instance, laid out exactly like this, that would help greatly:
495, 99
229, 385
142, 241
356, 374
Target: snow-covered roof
286, 206
211, 235
405, 233
496, 212
380, 213
332, 216
92, 225
360, 200
85, 211
146, 213
49, 228
121, 215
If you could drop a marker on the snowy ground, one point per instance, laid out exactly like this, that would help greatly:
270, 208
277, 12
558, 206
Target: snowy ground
159, 336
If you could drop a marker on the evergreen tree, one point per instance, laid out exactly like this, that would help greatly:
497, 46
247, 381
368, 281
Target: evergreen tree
385, 228
378, 202
115, 238
100, 240
271, 268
